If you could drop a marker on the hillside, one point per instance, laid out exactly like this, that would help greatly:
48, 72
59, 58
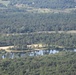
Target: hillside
20, 16
30, 26
63, 63
20, 22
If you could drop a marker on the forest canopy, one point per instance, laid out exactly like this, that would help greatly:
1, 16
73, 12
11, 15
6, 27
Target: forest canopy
32, 22
63, 63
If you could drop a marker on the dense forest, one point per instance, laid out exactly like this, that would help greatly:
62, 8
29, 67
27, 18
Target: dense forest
63, 63
53, 40
18, 20
15, 22
49, 23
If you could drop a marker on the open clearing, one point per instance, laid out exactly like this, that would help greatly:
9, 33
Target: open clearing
6, 47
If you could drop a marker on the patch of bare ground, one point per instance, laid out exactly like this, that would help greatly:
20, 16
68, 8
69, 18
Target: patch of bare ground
6, 48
